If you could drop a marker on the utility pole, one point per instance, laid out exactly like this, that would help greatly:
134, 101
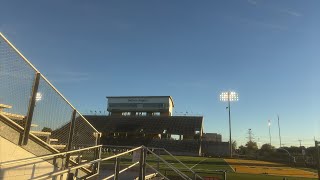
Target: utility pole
250, 135
300, 142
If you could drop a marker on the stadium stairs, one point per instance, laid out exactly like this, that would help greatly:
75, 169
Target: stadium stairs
39, 144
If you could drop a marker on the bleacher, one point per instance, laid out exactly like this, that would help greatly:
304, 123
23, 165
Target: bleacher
151, 131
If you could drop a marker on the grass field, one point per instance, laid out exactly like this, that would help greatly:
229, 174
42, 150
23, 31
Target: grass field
207, 167
262, 167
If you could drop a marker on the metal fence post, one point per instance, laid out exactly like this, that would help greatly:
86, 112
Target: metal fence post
62, 167
99, 157
32, 103
116, 168
78, 161
142, 164
225, 175
69, 146
158, 160
97, 154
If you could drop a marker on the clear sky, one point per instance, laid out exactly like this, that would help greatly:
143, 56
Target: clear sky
267, 51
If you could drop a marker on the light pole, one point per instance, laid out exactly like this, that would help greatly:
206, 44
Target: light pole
229, 96
269, 124
279, 130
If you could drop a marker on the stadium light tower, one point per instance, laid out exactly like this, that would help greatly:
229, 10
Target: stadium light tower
229, 96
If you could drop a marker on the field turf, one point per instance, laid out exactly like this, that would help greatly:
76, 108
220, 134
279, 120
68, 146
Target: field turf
208, 167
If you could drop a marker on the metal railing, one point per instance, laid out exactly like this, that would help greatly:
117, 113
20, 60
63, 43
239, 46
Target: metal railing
155, 161
106, 164
40, 106
63, 162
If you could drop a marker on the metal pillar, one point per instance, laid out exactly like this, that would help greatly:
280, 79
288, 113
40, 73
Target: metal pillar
142, 164
116, 168
158, 161
97, 154
32, 103
69, 146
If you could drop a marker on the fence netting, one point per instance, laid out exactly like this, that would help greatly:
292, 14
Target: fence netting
53, 114
16, 80
84, 134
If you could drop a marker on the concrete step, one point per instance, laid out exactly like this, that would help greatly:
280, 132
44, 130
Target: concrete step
59, 146
53, 140
3, 106
34, 125
40, 133
13, 116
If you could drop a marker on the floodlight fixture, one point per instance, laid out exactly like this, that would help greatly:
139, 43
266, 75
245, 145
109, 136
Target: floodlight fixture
38, 96
229, 96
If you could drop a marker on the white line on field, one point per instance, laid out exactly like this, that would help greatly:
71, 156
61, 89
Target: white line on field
229, 166
198, 163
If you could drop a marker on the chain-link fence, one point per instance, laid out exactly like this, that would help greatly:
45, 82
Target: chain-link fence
84, 133
16, 80
37, 106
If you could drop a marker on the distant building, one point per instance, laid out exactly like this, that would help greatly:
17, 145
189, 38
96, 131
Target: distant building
212, 137
212, 145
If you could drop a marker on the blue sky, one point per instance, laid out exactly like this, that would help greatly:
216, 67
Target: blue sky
267, 51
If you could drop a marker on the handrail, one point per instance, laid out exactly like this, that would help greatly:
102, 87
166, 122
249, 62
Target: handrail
67, 170
172, 167
54, 174
182, 163
157, 171
123, 170
84, 164
47, 156
193, 172
123, 153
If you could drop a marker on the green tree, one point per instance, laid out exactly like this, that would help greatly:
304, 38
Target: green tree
252, 147
266, 149
242, 150
234, 145
46, 129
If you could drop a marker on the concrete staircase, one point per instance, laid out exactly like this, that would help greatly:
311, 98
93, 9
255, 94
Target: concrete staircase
40, 143
45, 136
